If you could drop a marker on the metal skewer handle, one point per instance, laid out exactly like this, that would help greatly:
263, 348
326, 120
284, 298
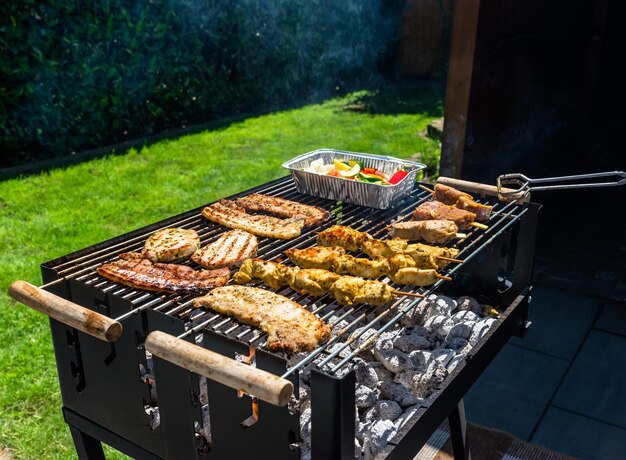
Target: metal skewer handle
264, 385
526, 185
69, 313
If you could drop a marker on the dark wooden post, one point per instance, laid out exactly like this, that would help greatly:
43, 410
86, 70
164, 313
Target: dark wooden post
462, 50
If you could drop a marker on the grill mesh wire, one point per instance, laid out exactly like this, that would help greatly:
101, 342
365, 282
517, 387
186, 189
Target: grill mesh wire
374, 221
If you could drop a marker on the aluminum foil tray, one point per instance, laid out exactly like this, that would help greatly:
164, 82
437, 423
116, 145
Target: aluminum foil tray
351, 191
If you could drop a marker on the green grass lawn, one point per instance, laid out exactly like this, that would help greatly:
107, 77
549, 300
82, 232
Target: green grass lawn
53, 213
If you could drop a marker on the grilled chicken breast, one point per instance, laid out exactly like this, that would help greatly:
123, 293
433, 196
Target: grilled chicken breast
230, 249
231, 215
170, 245
137, 272
313, 215
290, 327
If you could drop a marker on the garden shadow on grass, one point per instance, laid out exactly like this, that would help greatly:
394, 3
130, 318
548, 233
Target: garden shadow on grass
412, 97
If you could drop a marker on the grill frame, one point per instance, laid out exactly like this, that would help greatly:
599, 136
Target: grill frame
91, 406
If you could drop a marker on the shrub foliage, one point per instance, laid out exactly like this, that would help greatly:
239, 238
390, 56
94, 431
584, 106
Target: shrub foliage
78, 75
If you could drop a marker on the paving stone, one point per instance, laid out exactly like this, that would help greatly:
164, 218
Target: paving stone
613, 318
579, 436
560, 321
595, 385
514, 390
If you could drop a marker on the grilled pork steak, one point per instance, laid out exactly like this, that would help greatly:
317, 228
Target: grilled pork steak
134, 271
170, 245
231, 215
290, 327
230, 249
285, 208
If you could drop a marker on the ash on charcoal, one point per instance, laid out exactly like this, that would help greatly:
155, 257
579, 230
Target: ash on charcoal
442, 356
362, 430
441, 305
369, 374
336, 347
458, 344
454, 362
402, 423
337, 328
362, 338
480, 329
383, 410
422, 384
420, 359
461, 330
417, 315
397, 392
439, 325
414, 340
470, 304
365, 397
465, 316
305, 426
393, 360
376, 440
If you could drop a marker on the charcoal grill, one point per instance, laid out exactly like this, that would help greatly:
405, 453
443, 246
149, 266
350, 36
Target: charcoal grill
147, 407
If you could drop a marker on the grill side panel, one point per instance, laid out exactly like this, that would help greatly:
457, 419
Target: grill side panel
102, 381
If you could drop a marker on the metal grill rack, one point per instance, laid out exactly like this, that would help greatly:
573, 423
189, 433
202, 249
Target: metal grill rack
82, 268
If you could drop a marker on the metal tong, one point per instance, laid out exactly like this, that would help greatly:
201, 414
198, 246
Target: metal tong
525, 185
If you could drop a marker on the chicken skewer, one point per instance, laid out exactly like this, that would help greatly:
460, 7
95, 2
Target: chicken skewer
431, 231
354, 240
461, 200
317, 282
335, 259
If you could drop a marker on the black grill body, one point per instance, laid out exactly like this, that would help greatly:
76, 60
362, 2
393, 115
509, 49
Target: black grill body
150, 408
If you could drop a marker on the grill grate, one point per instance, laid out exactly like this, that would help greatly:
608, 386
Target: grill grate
81, 267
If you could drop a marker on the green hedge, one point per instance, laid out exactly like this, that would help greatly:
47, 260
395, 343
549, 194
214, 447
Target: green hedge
79, 75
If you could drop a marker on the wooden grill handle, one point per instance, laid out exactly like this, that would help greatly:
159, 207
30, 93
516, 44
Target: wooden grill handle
482, 189
69, 313
264, 385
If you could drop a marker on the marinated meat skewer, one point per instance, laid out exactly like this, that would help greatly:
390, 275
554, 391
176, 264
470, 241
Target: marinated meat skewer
431, 231
134, 271
290, 327
313, 215
461, 200
354, 240
336, 260
345, 289
346, 237
230, 249
435, 210
231, 215
170, 245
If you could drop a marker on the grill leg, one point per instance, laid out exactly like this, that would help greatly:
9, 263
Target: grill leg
87, 448
458, 433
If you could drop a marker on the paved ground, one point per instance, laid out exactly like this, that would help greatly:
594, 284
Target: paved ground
564, 385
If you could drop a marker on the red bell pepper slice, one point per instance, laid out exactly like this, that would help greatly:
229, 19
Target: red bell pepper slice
398, 176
